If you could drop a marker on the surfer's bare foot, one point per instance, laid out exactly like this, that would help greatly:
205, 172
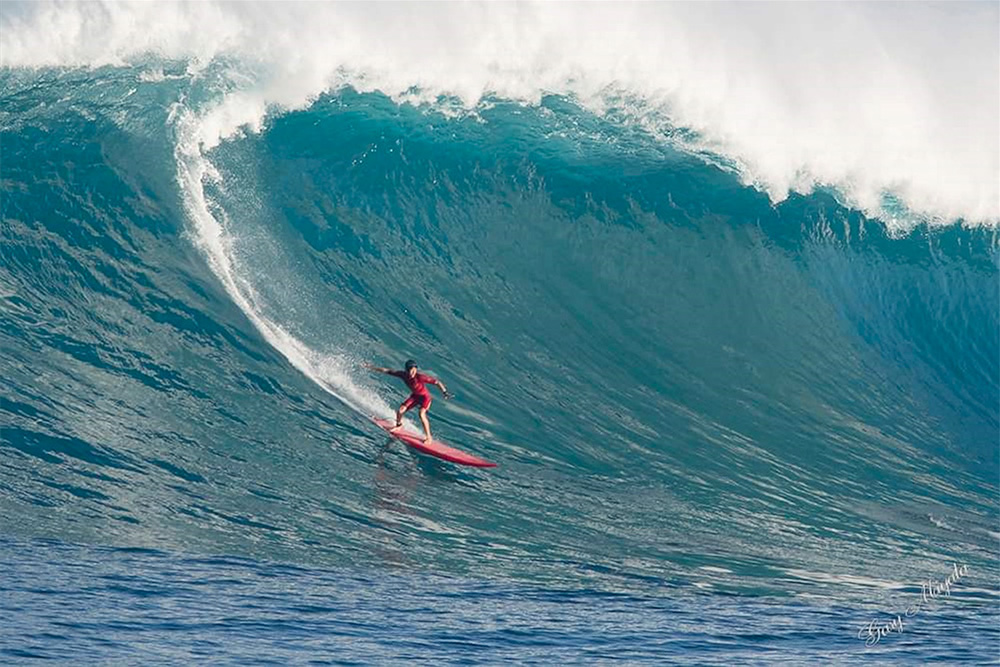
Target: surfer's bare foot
395, 428
427, 440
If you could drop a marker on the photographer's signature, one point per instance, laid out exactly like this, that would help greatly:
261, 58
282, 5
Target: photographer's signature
875, 630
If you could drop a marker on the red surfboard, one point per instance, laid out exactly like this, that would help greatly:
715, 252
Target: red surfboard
436, 448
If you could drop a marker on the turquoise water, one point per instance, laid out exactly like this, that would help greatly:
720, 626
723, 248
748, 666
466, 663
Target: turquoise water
729, 429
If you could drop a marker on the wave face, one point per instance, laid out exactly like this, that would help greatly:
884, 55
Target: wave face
685, 379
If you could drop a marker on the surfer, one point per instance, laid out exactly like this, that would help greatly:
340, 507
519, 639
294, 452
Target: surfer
419, 395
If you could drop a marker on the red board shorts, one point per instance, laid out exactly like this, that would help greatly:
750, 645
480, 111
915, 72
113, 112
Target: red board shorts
423, 400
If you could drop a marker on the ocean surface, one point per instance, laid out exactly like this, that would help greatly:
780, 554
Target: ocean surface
740, 371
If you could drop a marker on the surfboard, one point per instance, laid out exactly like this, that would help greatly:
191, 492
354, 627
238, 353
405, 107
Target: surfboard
436, 448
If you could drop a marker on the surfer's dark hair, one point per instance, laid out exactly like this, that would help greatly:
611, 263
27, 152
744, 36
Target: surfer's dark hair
410, 363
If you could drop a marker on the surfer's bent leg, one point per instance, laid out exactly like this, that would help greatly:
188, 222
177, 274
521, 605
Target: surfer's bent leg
407, 404
399, 417
424, 401
427, 425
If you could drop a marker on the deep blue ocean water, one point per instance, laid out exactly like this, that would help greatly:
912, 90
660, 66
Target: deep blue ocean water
102, 605
729, 431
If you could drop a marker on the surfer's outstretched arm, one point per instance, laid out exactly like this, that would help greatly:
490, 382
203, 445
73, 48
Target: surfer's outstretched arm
377, 369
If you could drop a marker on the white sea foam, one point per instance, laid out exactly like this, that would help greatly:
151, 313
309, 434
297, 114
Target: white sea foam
900, 98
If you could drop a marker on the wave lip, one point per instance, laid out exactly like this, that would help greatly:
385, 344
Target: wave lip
873, 100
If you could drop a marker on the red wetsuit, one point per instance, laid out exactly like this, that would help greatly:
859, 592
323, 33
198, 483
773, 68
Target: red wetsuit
419, 395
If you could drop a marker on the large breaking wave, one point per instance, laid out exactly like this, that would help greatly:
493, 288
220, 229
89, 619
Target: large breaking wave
724, 307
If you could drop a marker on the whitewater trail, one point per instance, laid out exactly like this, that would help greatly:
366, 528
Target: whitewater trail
214, 238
